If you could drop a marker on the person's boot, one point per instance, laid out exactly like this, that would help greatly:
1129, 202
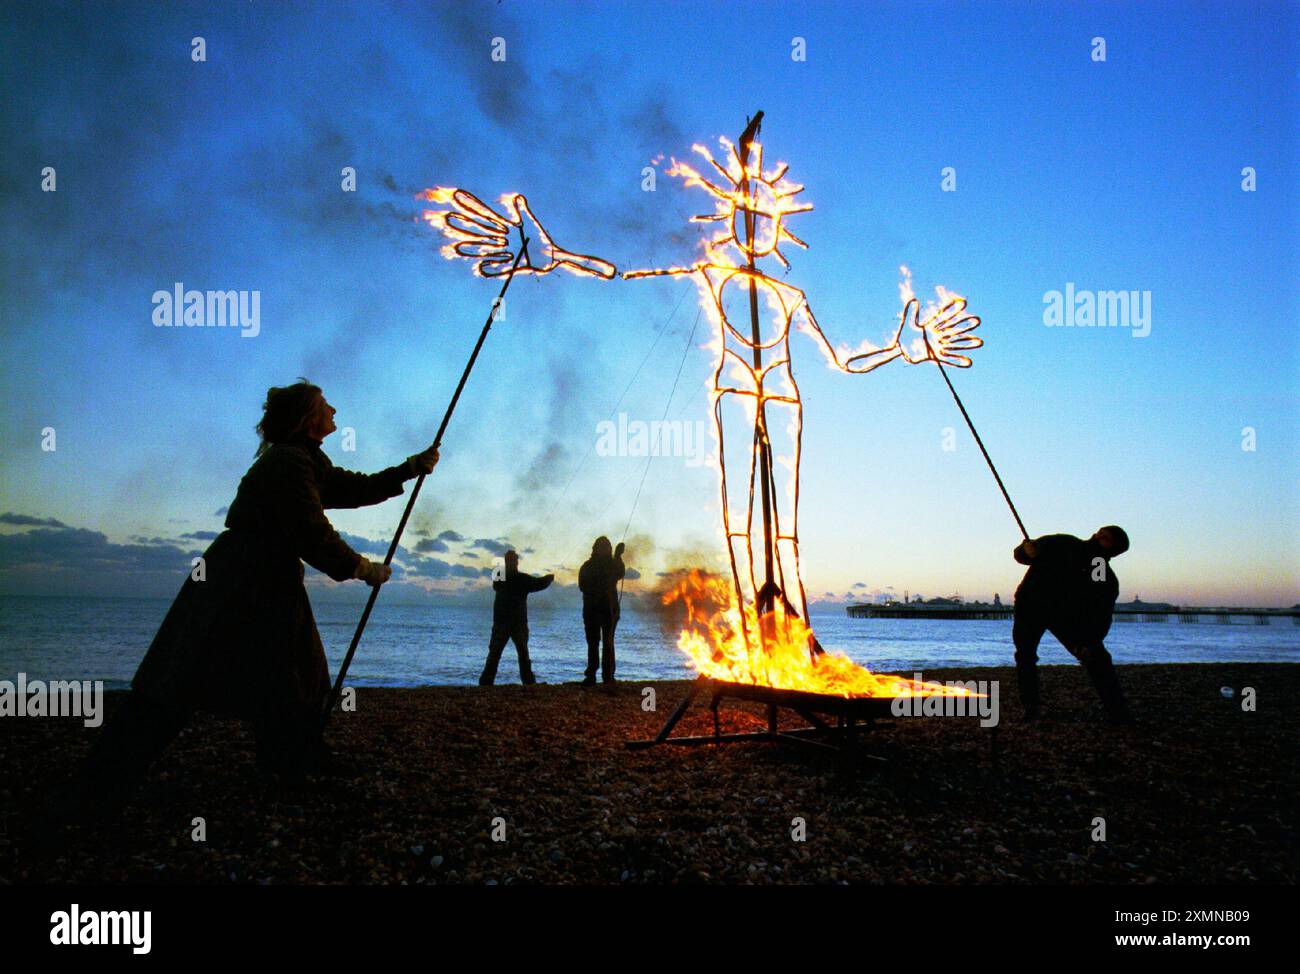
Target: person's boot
1106, 680
1030, 695
588, 681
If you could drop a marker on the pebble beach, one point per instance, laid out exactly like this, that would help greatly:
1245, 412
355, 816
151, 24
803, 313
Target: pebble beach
533, 785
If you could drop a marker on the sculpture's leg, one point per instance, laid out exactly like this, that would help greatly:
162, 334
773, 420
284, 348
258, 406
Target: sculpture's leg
785, 432
736, 456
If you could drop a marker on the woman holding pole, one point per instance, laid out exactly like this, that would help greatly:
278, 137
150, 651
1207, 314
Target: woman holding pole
240, 639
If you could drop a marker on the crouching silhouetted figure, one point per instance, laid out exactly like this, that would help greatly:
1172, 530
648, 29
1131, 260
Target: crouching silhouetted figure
510, 619
240, 639
598, 579
1069, 591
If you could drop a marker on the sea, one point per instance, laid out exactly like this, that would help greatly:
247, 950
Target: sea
408, 645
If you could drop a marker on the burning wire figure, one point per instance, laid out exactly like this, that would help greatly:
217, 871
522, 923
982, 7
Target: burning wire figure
751, 207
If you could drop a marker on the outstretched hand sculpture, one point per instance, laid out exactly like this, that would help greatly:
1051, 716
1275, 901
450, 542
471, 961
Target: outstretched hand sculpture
481, 234
944, 333
751, 207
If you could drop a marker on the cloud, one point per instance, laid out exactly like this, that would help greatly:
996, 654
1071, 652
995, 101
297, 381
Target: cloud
56, 559
435, 568
26, 520
491, 546
431, 544
78, 561
366, 546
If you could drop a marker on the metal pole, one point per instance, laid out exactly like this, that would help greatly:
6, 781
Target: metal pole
415, 491
765, 597
975, 433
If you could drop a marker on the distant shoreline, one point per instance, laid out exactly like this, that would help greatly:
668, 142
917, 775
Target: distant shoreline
355, 594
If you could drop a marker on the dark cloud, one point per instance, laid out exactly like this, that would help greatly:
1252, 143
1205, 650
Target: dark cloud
551, 467
436, 568
68, 561
266, 125
654, 128
201, 535
464, 33
220, 512
366, 546
431, 544
491, 546
26, 520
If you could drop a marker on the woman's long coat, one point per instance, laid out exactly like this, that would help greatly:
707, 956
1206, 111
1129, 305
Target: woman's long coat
243, 640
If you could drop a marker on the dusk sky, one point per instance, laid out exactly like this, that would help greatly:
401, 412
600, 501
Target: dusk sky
1122, 174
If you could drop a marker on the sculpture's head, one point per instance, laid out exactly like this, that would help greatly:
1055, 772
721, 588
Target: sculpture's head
752, 204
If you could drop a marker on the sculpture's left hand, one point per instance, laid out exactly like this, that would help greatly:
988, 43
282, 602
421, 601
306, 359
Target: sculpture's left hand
945, 333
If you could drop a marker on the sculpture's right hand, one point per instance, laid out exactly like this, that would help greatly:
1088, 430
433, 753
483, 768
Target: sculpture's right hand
478, 232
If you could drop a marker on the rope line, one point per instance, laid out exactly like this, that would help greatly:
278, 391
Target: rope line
564, 492
668, 405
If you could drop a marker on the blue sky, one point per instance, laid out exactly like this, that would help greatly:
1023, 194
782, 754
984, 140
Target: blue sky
1122, 174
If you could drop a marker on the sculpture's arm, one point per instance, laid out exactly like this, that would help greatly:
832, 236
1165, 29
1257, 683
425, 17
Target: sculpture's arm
941, 337
658, 272
860, 362
479, 233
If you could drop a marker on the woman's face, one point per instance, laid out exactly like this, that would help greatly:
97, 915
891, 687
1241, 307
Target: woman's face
322, 420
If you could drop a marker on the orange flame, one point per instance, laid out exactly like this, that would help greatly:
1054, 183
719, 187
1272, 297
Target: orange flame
772, 651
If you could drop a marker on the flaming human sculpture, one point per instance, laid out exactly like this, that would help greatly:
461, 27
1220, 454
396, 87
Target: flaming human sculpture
755, 630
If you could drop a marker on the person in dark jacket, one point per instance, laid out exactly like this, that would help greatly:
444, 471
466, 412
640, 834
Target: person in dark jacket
510, 618
1070, 591
598, 579
240, 639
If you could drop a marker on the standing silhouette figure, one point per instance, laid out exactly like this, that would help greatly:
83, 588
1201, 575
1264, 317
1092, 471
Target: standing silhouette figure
598, 579
240, 638
510, 619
